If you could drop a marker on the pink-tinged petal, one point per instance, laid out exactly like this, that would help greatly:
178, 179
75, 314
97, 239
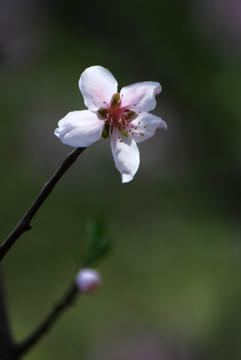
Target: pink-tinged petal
145, 126
140, 96
126, 156
79, 128
97, 86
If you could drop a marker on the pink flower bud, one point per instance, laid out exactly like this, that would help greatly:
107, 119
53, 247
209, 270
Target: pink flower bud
88, 281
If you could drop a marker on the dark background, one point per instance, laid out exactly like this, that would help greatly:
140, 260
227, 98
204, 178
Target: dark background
171, 288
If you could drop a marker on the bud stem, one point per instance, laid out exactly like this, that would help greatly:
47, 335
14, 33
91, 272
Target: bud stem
49, 321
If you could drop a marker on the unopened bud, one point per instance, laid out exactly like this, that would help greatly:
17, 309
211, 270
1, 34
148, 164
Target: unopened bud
88, 281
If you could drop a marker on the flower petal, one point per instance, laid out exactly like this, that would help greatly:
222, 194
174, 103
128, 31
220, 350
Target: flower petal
140, 96
145, 126
126, 156
79, 128
97, 86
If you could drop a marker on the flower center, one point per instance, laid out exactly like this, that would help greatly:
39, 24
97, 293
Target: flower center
116, 117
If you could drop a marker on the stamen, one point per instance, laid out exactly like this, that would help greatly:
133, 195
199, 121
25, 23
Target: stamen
104, 102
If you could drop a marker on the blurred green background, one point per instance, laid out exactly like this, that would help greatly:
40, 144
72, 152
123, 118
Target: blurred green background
171, 288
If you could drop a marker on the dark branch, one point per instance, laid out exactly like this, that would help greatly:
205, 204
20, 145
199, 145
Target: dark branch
43, 328
24, 224
7, 344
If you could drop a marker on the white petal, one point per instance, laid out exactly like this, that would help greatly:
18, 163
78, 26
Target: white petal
79, 128
97, 86
140, 96
145, 126
126, 156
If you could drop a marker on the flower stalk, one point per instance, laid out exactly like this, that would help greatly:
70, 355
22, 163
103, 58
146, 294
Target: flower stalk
24, 224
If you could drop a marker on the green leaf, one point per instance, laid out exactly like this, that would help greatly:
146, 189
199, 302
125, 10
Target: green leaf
98, 244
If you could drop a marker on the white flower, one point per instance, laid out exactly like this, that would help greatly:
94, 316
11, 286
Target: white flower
88, 281
123, 116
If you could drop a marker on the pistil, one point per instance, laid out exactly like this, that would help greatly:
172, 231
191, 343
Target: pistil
116, 117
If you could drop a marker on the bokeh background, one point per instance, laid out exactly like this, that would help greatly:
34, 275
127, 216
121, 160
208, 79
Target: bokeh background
171, 287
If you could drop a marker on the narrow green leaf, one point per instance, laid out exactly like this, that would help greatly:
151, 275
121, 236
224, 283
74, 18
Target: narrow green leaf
98, 244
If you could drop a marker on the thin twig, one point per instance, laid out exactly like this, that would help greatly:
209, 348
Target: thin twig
24, 224
49, 321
